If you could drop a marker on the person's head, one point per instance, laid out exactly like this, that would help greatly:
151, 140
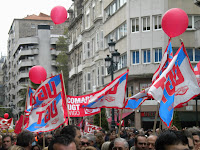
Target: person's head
85, 141
49, 137
99, 138
36, 147
189, 136
171, 140
7, 142
151, 142
0, 140
196, 138
105, 145
74, 132
14, 136
25, 139
91, 139
140, 142
62, 142
120, 144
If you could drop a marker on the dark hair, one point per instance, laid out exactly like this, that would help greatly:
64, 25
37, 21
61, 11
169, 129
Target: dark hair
5, 136
24, 138
139, 135
36, 146
61, 139
69, 130
170, 137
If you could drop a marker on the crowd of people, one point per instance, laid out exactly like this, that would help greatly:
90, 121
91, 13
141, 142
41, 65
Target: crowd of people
71, 138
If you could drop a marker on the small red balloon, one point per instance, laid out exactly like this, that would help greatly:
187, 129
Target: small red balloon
6, 115
37, 74
175, 22
58, 14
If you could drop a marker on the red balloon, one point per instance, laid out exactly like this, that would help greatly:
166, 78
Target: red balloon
6, 115
58, 14
37, 74
174, 22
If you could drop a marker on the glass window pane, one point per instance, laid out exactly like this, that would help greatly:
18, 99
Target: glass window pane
197, 54
160, 54
156, 55
149, 56
133, 25
134, 57
190, 53
137, 24
137, 57
148, 23
190, 21
145, 57
155, 22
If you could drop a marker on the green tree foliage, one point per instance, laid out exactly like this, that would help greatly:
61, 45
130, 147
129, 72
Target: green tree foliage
62, 58
104, 122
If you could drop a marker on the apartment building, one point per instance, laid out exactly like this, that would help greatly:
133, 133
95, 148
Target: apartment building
135, 26
32, 41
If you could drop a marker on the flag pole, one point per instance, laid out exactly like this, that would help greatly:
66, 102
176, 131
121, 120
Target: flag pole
155, 120
25, 107
120, 124
66, 99
100, 118
43, 140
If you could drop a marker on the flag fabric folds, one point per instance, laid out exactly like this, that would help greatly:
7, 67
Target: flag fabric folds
48, 90
90, 128
175, 86
112, 96
197, 72
18, 126
48, 117
136, 100
29, 101
5, 123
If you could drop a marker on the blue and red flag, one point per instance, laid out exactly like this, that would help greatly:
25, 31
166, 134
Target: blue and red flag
176, 85
112, 96
29, 101
48, 117
197, 72
136, 100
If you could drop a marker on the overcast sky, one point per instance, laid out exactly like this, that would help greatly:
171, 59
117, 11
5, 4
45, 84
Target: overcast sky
18, 9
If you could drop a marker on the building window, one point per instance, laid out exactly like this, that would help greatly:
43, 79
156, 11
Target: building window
122, 61
157, 54
102, 75
146, 56
113, 7
135, 57
87, 20
135, 24
146, 23
129, 91
192, 20
89, 81
98, 76
88, 49
197, 54
157, 22
190, 53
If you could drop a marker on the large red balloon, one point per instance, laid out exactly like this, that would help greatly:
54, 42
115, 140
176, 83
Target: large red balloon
174, 22
58, 14
37, 74
6, 115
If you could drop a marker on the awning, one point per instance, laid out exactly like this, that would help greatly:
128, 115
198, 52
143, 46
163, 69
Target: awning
123, 116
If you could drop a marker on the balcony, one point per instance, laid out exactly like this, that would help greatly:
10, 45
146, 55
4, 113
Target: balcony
71, 46
24, 52
22, 74
53, 63
80, 68
55, 52
73, 71
26, 63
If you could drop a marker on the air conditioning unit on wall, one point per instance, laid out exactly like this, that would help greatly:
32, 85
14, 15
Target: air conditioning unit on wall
197, 2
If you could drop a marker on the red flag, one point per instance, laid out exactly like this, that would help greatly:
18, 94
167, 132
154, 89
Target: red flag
18, 126
90, 128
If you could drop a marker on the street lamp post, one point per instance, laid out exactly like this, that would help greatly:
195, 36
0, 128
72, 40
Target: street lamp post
111, 63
